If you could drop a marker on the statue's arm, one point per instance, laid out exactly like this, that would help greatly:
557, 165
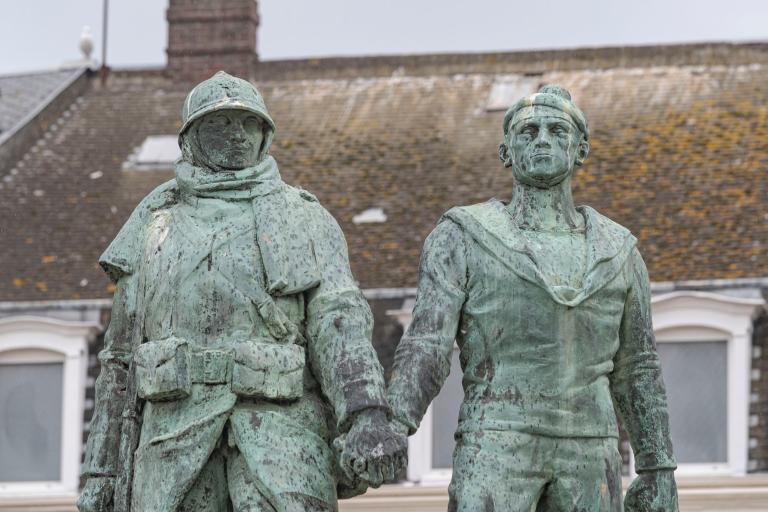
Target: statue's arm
636, 383
339, 330
423, 356
103, 439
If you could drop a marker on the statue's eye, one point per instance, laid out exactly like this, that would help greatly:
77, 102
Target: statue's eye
217, 120
252, 124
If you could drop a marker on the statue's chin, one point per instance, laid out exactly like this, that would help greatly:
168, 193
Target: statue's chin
541, 179
230, 164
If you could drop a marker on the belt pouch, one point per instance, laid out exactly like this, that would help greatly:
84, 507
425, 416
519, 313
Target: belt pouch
274, 371
162, 370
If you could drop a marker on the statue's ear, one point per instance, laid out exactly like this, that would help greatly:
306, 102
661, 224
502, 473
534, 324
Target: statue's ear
582, 152
504, 155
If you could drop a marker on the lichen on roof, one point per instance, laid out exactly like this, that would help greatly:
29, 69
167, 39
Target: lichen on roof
678, 156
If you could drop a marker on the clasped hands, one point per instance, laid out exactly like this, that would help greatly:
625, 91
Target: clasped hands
374, 450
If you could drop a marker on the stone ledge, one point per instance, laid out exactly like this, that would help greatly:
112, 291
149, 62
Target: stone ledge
700, 494
697, 494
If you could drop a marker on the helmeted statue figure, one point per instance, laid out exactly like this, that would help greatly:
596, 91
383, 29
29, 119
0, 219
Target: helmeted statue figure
238, 371
550, 307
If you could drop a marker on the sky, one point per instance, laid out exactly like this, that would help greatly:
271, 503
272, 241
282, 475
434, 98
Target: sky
43, 34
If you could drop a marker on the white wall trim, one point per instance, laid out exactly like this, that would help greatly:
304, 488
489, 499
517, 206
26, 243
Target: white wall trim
703, 316
36, 339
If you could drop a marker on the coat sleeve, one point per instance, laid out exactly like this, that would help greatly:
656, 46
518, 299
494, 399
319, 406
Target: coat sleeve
339, 328
423, 356
104, 436
636, 382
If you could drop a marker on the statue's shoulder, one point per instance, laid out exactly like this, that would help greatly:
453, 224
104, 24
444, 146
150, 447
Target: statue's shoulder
123, 253
491, 206
163, 196
306, 195
306, 202
605, 226
298, 197
478, 217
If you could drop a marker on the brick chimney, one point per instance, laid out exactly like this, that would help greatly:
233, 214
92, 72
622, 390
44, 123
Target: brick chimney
205, 36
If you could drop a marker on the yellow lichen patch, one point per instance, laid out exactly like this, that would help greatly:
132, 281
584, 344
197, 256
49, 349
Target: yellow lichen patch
111, 288
19, 282
40, 285
390, 245
48, 259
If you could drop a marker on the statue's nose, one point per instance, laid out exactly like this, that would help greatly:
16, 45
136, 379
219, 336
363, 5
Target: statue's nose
543, 138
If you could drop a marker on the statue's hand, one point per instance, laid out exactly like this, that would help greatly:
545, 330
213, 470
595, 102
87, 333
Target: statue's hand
374, 451
96, 496
654, 491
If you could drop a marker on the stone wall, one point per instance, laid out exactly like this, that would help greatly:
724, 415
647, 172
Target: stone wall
758, 413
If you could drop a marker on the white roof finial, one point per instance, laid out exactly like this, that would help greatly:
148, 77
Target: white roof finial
86, 42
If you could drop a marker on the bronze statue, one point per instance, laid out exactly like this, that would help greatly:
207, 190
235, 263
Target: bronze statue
238, 370
550, 306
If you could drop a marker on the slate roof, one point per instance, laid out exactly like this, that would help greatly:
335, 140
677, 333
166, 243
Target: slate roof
22, 94
679, 156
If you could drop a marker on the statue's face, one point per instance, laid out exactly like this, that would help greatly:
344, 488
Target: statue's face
544, 147
231, 139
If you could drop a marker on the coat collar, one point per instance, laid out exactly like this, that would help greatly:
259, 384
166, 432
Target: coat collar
608, 246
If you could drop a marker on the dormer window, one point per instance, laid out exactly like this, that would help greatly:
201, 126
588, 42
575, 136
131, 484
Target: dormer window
157, 152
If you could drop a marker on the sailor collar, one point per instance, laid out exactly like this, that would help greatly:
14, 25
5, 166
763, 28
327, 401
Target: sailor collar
608, 247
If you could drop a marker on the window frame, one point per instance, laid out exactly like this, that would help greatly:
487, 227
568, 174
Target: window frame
28, 339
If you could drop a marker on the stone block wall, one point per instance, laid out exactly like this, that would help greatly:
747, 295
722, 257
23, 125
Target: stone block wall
758, 408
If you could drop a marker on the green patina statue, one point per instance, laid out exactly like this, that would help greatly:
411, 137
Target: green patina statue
550, 307
238, 371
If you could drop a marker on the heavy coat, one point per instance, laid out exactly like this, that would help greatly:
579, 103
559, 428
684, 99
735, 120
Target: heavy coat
182, 265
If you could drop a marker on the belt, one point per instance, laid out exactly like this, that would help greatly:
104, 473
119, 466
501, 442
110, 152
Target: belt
210, 366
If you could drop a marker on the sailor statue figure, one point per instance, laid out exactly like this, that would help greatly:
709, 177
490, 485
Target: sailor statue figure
550, 307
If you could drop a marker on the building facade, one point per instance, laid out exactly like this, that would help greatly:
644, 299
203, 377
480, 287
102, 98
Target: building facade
388, 144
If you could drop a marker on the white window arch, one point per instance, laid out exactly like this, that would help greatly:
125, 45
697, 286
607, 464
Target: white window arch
43, 361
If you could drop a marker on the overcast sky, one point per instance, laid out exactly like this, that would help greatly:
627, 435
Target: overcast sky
42, 34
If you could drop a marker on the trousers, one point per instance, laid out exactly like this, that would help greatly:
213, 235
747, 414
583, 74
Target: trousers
225, 478
495, 471
211, 453
226, 484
